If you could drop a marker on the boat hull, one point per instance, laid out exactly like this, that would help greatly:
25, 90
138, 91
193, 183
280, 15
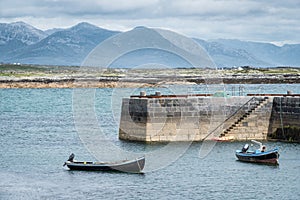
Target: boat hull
269, 157
132, 166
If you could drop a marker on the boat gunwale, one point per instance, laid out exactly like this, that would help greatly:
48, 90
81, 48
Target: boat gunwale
106, 164
255, 153
135, 165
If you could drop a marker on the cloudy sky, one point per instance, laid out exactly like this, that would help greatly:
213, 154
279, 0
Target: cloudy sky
274, 21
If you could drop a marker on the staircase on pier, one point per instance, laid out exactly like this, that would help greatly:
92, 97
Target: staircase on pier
250, 121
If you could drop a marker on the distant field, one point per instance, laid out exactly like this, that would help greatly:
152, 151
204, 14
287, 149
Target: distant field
34, 76
37, 70
34, 68
11, 70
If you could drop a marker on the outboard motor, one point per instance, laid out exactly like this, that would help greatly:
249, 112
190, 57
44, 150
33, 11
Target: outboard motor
263, 148
71, 157
245, 148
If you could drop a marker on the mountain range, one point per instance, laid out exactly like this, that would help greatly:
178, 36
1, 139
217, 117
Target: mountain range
23, 43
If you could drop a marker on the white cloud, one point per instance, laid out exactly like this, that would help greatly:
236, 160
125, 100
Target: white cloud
257, 20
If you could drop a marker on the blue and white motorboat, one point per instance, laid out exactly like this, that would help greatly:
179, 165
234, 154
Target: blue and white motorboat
260, 155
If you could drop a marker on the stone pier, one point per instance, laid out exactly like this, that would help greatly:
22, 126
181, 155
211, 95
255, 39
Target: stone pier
164, 118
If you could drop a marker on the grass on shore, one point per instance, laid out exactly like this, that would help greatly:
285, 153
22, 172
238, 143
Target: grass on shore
17, 70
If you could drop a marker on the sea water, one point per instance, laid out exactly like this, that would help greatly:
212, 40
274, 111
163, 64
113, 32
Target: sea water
38, 133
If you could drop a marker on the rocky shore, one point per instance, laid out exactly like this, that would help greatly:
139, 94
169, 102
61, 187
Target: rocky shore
75, 77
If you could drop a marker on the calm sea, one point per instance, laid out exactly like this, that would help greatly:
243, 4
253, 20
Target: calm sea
37, 134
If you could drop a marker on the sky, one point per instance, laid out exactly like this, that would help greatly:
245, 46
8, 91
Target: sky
273, 21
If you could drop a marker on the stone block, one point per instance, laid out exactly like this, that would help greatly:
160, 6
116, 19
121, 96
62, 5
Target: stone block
193, 132
155, 126
181, 132
160, 114
154, 120
163, 138
182, 137
198, 137
154, 138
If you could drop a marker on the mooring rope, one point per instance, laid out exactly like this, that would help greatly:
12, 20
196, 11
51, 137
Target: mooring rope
282, 129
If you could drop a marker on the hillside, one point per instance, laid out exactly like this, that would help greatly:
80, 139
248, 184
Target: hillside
23, 43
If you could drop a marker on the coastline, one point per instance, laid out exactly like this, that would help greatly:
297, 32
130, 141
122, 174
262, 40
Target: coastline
32, 76
44, 82
69, 84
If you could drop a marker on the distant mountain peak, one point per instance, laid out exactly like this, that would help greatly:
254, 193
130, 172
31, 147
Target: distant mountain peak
21, 33
84, 25
141, 27
23, 24
19, 23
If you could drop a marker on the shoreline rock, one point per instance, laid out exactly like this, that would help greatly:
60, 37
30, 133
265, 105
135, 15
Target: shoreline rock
71, 77
131, 82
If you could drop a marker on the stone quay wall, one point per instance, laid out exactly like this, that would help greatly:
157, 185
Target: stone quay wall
285, 114
195, 118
